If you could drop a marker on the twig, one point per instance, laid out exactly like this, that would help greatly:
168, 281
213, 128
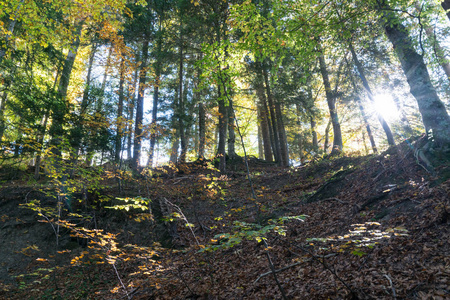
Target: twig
121, 282
392, 286
290, 266
322, 261
274, 272
336, 199
184, 218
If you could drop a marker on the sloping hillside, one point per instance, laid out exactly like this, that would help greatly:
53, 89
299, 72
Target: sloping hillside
341, 228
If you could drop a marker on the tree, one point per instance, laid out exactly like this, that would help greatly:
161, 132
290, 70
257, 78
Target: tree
434, 114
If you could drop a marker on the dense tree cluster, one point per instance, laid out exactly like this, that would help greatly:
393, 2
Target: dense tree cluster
141, 81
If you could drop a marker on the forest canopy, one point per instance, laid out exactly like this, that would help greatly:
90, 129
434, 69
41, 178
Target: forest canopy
149, 82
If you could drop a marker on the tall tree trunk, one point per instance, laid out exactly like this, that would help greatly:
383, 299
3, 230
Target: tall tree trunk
131, 105
384, 124
446, 6
284, 151
331, 100
327, 137
439, 52
181, 107
11, 26
222, 130
155, 100
201, 130
120, 121
434, 115
300, 136
2, 111
174, 150
260, 138
264, 121
273, 119
231, 133
40, 145
99, 103
138, 125
315, 142
61, 109
77, 132
363, 115
366, 123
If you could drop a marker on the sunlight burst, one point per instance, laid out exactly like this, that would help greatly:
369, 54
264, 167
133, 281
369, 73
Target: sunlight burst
384, 104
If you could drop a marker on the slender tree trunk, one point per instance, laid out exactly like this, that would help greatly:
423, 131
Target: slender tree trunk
2, 111
61, 109
331, 100
327, 137
366, 123
37, 165
201, 130
434, 115
276, 138
446, 6
138, 127
264, 121
315, 142
131, 105
231, 133
222, 130
99, 103
364, 142
120, 121
77, 132
11, 26
174, 151
282, 135
181, 107
384, 124
260, 138
439, 52
155, 102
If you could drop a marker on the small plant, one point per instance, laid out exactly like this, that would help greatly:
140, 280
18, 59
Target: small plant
249, 231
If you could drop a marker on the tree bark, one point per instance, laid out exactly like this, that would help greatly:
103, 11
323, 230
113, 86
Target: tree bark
327, 137
264, 122
154, 124
37, 165
201, 129
174, 151
140, 107
231, 133
315, 142
276, 139
61, 109
181, 113
2, 110
282, 135
131, 105
446, 6
11, 26
77, 132
434, 115
438, 51
366, 123
222, 130
331, 100
384, 124
120, 121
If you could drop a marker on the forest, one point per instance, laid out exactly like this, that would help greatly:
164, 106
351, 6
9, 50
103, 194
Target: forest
224, 149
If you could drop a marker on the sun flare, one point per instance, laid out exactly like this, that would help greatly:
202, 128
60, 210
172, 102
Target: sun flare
384, 105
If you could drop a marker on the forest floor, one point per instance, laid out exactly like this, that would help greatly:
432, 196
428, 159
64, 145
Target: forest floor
349, 227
